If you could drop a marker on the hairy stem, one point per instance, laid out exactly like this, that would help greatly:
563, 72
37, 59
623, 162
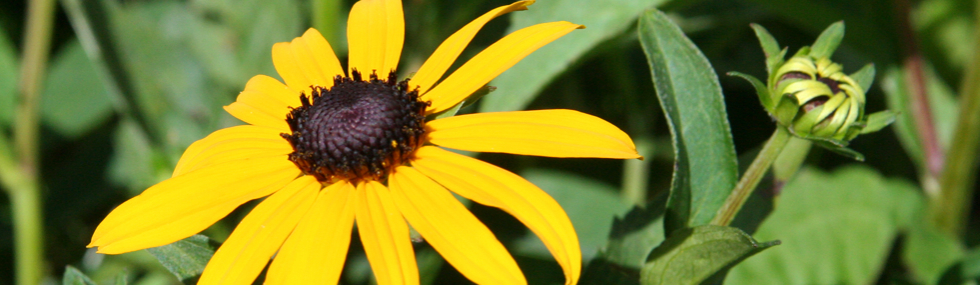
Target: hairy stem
751, 177
23, 187
951, 209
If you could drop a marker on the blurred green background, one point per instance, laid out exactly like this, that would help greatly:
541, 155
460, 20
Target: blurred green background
130, 84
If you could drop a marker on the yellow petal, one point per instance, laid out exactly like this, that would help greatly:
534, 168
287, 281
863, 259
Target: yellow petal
316, 250
233, 143
375, 34
306, 61
184, 205
447, 52
385, 236
243, 255
256, 116
492, 61
553, 133
452, 230
270, 87
492, 186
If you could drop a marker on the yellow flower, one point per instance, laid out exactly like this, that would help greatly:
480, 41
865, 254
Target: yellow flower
330, 148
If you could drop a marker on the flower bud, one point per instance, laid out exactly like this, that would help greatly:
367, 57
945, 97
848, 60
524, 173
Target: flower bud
824, 102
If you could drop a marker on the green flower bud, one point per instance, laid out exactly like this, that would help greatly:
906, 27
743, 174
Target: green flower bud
823, 101
812, 97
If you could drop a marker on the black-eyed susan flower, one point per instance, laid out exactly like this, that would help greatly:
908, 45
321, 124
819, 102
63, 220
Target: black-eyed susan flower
330, 149
812, 97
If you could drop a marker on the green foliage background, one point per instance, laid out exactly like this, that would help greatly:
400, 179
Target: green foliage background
131, 84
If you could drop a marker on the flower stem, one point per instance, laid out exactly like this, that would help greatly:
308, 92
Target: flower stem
950, 210
22, 181
751, 177
635, 173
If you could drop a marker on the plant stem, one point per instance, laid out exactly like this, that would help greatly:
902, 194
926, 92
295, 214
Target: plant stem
951, 209
23, 186
635, 173
751, 177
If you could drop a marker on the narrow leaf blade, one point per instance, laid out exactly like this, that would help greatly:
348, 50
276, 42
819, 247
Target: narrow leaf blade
827, 42
705, 164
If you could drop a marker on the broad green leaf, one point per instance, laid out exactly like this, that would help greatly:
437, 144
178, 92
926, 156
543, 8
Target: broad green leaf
705, 166
73, 276
590, 204
132, 161
692, 255
865, 76
631, 239
185, 258
633, 236
943, 107
928, 252
829, 39
603, 20
835, 228
8, 79
967, 271
74, 100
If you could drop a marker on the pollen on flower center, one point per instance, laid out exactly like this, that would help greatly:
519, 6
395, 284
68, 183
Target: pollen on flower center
357, 129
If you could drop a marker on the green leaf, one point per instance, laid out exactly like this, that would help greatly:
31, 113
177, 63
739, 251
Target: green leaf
590, 204
132, 161
827, 42
768, 43
929, 253
692, 255
878, 121
835, 228
760, 89
633, 236
75, 277
865, 76
8, 79
74, 99
840, 149
774, 56
122, 279
185, 258
966, 271
604, 20
705, 166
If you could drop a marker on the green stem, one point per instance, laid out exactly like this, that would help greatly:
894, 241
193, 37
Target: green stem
635, 173
751, 177
953, 205
23, 186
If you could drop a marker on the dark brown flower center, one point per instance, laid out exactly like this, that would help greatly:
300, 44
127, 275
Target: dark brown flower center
357, 129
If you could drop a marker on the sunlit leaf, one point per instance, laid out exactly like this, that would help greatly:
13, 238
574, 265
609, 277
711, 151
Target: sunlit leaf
705, 166
590, 204
74, 100
603, 21
185, 258
692, 255
75, 277
835, 228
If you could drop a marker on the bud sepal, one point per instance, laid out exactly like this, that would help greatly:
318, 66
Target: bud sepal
812, 97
